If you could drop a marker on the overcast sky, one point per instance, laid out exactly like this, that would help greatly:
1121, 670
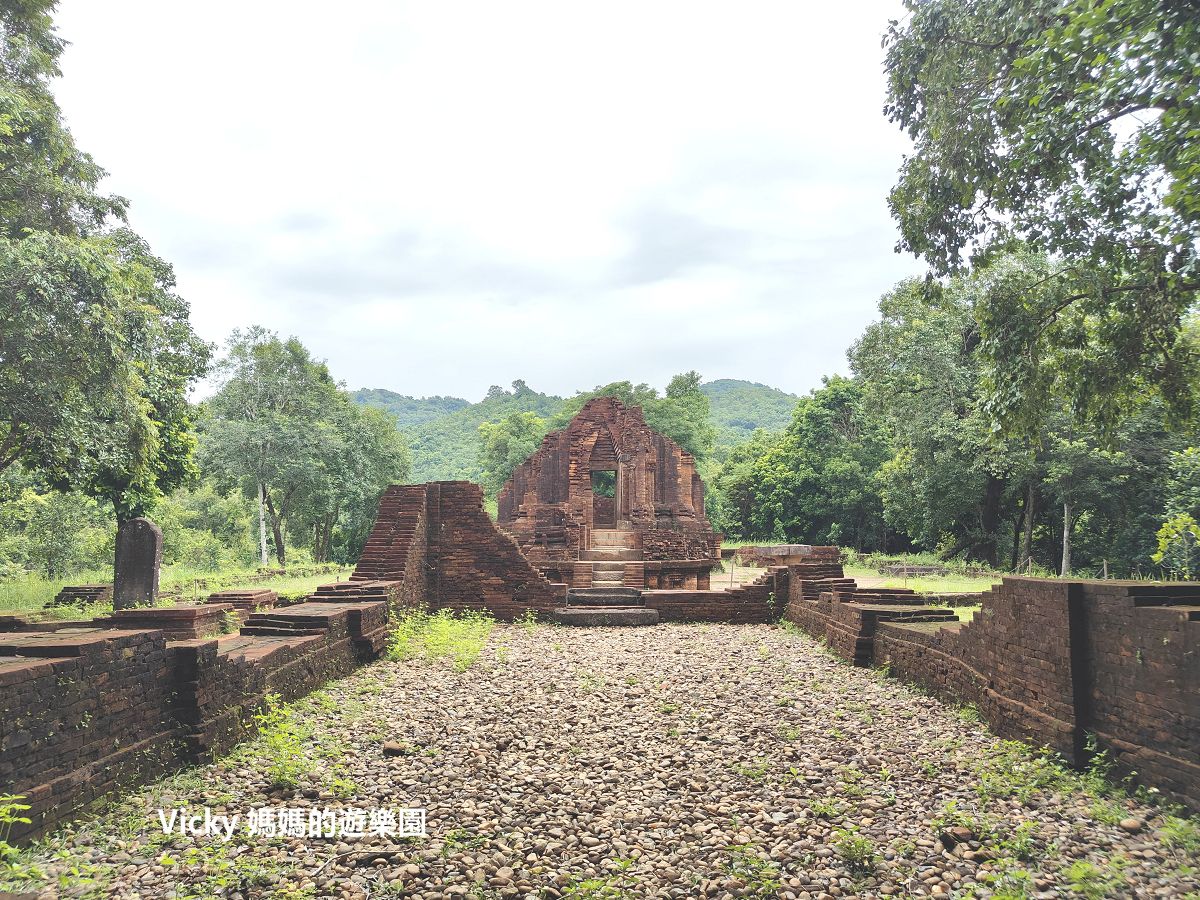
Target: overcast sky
440, 196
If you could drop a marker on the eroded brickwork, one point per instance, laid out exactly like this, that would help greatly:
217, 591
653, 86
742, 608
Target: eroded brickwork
86, 709
551, 509
1045, 660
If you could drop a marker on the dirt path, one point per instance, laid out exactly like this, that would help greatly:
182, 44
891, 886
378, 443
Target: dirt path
673, 761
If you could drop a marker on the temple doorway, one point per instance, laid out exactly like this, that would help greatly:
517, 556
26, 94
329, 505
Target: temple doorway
604, 498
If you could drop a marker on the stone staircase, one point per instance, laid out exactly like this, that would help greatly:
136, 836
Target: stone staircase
607, 605
613, 559
612, 545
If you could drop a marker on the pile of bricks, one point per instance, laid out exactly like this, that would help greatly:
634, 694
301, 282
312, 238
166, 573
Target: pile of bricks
83, 595
181, 621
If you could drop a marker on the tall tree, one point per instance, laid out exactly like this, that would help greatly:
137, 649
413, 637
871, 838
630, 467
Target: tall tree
506, 444
281, 429
96, 350
816, 483
356, 454
1069, 126
946, 483
260, 424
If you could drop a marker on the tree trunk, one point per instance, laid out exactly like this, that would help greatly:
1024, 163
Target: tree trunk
1026, 561
1066, 555
276, 530
1016, 540
990, 518
262, 526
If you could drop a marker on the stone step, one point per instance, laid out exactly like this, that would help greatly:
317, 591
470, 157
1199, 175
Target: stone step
615, 595
605, 616
602, 554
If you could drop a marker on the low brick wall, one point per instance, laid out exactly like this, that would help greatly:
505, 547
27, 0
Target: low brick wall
86, 710
759, 602
1048, 661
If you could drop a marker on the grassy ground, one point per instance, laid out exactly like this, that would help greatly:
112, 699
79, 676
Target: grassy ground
926, 584
32, 593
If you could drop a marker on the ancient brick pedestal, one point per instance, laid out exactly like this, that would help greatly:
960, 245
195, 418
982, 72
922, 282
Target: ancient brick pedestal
139, 558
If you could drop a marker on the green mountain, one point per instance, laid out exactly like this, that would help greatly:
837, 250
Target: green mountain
443, 432
444, 449
409, 411
739, 407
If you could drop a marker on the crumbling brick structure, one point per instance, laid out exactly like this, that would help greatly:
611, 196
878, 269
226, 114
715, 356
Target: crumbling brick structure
1045, 660
609, 489
438, 540
87, 708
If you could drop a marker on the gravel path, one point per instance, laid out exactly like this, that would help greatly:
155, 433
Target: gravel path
675, 761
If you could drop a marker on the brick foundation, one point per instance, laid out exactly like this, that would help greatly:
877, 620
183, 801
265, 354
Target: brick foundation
1045, 660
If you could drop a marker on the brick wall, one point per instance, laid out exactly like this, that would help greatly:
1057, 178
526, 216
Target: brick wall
759, 602
86, 710
1049, 661
473, 564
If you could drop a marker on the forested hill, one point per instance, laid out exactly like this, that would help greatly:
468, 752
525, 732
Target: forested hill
409, 411
443, 432
444, 447
739, 407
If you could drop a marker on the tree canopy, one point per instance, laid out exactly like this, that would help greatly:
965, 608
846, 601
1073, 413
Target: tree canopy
282, 430
1070, 128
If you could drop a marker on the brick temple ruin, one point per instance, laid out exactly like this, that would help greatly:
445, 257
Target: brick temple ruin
604, 524
609, 502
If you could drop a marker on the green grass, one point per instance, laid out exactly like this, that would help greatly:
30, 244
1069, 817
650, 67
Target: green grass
928, 584
32, 592
442, 635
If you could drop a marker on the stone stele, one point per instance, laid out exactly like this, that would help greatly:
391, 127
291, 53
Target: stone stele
139, 557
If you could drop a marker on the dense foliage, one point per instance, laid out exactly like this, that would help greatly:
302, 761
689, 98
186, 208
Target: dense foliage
408, 411
903, 456
287, 435
449, 446
1069, 127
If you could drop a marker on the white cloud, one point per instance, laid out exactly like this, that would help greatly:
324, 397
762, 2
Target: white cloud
441, 196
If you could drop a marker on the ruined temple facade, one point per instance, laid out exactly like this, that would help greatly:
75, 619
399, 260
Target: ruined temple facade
608, 500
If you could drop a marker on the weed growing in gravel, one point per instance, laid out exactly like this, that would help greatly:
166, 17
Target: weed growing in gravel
790, 732
528, 620
11, 808
828, 808
1013, 769
281, 740
460, 839
1178, 833
441, 635
1007, 881
954, 816
969, 713
222, 874
1107, 812
1094, 882
618, 886
760, 877
855, 849
588, 682
754, 771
